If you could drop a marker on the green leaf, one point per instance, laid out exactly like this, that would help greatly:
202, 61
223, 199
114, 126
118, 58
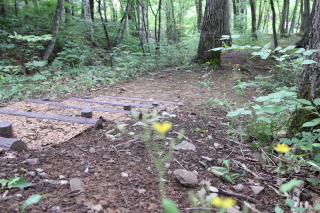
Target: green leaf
305, 148
3, 182
38, 77
32, 200
304, 101
317, 207
278, 210
309, 52
239, 111
299, 209
262, 98
314, 122
309, 62
316, 144
301, 50
169, 206
288, 186
274, 109
290, 202
227, 163
316, 101
313, 181
18, 182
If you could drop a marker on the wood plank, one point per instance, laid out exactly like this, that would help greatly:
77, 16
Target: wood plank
143, 100
96, 123
12, 144
100, 109
116, 103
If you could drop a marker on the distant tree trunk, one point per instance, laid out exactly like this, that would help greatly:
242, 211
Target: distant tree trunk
309, 85
87, 16
104, 22
212, 29
199, 13
274, 29
113, 11
67, 11
143, 22
304, 41
55, 29
2, 8
261, 13
284, 18
91, 2
293, 19
305, 15
253, 20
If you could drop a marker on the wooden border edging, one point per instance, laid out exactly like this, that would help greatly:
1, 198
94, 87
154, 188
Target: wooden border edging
115, 103
82, 107
143, 100
12, 144
96, 123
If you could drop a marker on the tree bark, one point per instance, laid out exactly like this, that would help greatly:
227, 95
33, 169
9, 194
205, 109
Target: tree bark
284, 20
304, 41
274, 29
55, 29
213, 27
67, 11
199, 13
253, 20
87, 16
305, 15
2, 8
309, 84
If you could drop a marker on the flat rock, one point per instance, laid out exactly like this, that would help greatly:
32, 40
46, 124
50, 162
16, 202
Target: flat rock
33, 161
257, 189
185, 145
76, 184
12, 144
186, 178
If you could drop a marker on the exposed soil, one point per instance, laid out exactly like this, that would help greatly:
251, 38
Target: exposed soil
116, 169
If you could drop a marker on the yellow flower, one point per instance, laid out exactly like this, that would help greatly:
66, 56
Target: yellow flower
282, 147
162, 128
222, 202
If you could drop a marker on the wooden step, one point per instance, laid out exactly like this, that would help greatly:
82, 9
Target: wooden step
95, 123
142, 100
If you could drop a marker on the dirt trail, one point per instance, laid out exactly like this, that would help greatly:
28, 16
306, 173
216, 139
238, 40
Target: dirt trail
114, 171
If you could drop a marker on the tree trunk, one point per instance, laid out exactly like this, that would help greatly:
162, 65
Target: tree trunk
309, 84
309, 80
2, 8
293, 19
253, 20
284, 20
87, 16
212, 29
274, 29
305, 15
67, 11
304, 41
91, 2
199, 13
55, 28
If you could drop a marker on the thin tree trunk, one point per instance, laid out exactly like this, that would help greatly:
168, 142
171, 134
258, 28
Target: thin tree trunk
104, 22
305, 16
55, 29
87, 15
198, 4
304, 41
274, 29
283, 30
253, 20
293, 19
67, 11
2, 8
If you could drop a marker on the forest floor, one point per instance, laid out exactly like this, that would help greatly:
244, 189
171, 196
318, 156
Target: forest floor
98, 171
